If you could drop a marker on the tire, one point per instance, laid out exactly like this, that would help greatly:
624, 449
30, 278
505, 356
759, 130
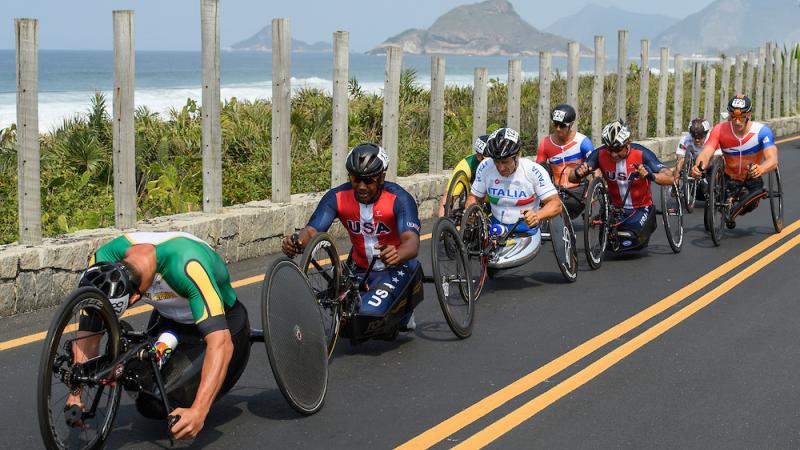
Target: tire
564, 245
450, 266
716, 210
776, 198
321, 265
688, 187
475, 235
91, 302
454, 203
595, 223
672, 216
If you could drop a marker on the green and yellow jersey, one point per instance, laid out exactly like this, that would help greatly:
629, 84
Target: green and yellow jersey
192, 283
468, 165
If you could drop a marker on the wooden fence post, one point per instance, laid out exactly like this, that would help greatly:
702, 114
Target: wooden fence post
622, 75
644, 88
281, 111
391, 107
738, 74
436, 157
341, 106
210, 134
777, 82
677, 97
768, 68
598, 87
711, 78
29, 205
514, 93
572, 75
787, 84
760, 78
794, 83
724, 83
748, 88
479, 102
543, 122
694, 110
663, 83
122, 130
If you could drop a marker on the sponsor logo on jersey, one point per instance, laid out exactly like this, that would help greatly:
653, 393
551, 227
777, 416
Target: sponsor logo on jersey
412, 225
507, 193
368, 228
619, 176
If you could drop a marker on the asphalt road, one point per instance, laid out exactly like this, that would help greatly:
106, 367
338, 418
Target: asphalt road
654, 350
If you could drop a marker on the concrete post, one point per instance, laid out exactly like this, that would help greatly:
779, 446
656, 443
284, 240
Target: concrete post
622, 75
760, 78
341, 106
777, 82
711, 90
543, 122
122, 130
436, 157
391, 107
724, 83
787, 84
644, 88
479, 102
663, 83
738, 72
281, 111
768, 68
694, 110
28, 173
573, 62
211, 135
748, 88
514, 93
677, 97
597, 87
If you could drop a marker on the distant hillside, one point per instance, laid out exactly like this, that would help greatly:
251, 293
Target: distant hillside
734, 25
262, 42
488, 28
606, 21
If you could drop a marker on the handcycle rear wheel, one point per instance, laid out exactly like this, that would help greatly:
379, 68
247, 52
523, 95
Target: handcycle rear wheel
320, 264
672, 216
562, 237
595, 223
454, 202
716, 209
451, 278
59, 374
776, 198
475, 235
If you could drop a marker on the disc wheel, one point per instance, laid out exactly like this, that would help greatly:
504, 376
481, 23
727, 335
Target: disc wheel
451, 278
321, 265
776, 198
84, 329
475, 235
456, 197
562, 237
716, 208
672, 216
595, 223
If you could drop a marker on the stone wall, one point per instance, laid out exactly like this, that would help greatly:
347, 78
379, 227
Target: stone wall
34, 277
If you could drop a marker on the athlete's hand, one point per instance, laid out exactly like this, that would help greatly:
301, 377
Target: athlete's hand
582, 170
755, 171
290, 248
696, 171
388, 254
644, 172
190, 424
531, 218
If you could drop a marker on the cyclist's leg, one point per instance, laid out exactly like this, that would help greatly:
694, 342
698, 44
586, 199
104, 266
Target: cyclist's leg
749, 202
574, 201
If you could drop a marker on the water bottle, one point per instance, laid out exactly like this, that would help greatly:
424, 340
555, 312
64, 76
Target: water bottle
164, 346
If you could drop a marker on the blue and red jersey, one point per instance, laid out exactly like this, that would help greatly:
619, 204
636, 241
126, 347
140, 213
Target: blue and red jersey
564, 158
617, 175
740, 153
377, 224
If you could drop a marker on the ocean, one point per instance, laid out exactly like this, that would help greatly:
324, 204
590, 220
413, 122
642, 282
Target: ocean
165, 79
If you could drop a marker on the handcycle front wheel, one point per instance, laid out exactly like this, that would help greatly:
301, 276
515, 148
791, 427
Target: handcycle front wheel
687, 185
456, 197
775, 198
321, 265
562, 237
595, 222
672, 215
475, 235
716, 205
451, 278
85, 323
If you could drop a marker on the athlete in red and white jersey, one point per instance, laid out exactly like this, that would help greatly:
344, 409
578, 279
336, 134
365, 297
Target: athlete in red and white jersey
748, 149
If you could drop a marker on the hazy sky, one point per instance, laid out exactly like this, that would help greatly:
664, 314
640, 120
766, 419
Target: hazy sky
175, 24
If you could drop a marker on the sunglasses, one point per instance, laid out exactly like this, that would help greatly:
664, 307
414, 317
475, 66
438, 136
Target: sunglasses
741, 118
364, 180
561, 125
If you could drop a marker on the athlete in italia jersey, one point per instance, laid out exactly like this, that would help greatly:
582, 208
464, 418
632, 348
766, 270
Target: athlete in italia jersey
382, 221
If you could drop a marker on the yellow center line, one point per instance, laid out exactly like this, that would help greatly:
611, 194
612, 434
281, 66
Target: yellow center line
35, 337
528, 410
488, 404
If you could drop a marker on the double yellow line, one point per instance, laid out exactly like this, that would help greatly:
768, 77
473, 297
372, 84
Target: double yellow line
485, 406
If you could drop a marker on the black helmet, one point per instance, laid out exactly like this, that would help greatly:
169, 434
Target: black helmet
367, 160
114, 279
699, 127
563, 114
739, 104
503, 144
480, 144
616, 134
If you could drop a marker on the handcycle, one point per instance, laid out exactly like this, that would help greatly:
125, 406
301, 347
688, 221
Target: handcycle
723, 195
338, 287
490, 252
688, 185
601, 220
456, 197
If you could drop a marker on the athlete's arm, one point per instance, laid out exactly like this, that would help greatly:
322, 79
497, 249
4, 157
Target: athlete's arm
662, 174
408, 249
551, 207
321, 220
711, 145
591, 163
408, 227
770, 161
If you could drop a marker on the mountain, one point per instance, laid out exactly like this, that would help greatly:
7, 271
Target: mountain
488, 28
262, 42
733, 26
594, 20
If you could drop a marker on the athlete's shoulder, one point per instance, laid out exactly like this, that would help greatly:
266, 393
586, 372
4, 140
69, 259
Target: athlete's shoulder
396, 190
640, 147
